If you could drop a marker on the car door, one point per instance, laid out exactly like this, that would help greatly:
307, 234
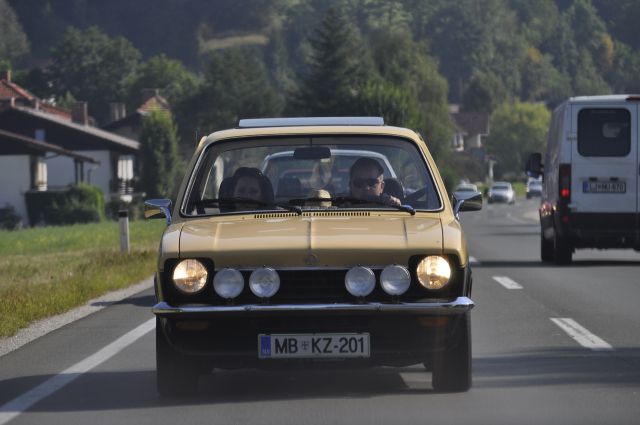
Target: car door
604, 163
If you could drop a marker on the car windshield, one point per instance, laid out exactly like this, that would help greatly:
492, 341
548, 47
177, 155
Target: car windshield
298, 174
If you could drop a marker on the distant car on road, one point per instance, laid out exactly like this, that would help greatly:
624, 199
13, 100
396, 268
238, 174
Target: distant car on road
534, 188
502, 192
466, 187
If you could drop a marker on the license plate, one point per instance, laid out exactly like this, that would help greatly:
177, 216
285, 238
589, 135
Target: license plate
604, 187
343, 345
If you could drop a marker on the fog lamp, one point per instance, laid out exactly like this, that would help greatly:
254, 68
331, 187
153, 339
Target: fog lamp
228, 283
360, 281
264, 282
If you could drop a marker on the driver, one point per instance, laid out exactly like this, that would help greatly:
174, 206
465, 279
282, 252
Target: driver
366, 182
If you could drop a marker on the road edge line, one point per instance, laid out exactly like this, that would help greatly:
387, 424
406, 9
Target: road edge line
50, 324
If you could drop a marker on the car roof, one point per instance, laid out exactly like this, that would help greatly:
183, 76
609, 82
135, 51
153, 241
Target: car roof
308, 121
304, 130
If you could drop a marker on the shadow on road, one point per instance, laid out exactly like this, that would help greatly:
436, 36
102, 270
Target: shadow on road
101, 391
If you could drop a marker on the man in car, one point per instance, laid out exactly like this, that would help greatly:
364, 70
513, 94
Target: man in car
367, 182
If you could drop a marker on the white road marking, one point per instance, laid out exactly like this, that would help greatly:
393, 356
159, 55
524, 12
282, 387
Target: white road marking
20, 404
582, 335
474, 261
507, 282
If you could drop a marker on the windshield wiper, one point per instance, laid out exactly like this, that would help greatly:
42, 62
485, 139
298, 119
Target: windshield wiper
351, 200
212, 202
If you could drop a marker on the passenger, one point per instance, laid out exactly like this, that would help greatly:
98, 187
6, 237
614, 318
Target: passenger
251, 184
366, 182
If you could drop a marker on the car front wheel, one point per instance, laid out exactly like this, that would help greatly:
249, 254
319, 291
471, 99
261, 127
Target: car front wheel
452, 366
176, 374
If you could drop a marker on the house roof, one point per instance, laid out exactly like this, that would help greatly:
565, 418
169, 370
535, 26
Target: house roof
16, 144
9, 90
13, 94
155, 102
67, 134
472, 123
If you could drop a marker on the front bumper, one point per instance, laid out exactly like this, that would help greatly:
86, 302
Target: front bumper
458, 306
400, 334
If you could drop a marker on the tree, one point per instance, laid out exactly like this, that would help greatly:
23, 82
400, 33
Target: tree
236, 85
13, 41
408, 88
484, 93
517, 129
93, 68
337, 69
159, 163
167, 75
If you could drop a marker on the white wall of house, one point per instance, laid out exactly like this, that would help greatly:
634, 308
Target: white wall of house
99, 174
15, 180
474, 141
62, 172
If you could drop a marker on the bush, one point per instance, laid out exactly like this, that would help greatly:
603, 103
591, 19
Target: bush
82, 203
9, 218
135, 207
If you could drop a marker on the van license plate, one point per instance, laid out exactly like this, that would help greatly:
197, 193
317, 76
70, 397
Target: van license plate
604, 187
342, 345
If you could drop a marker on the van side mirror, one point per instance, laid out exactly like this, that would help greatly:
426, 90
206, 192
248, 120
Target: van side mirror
534, 165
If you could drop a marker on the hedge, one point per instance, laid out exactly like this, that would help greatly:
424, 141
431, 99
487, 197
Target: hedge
82, 203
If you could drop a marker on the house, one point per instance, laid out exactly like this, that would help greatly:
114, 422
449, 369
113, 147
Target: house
23, 168
50, 148
131, 125
470, 127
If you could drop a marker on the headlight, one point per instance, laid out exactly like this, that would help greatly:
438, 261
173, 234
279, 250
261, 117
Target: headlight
360, 281
395, 280
190, 276
433, 272
264, 282
228, 283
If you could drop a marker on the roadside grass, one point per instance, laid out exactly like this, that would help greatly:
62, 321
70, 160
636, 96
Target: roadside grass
50, 270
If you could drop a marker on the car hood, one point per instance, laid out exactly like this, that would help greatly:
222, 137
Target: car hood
310, 241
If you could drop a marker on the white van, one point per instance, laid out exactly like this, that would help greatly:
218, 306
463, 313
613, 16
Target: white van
591, 171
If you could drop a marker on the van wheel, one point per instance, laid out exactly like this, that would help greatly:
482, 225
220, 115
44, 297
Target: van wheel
562, 250
175, 374
452, 366
546, 249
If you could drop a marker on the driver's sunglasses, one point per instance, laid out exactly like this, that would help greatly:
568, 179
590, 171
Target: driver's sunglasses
363, 182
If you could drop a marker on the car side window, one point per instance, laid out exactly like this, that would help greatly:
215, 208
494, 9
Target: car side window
604, 132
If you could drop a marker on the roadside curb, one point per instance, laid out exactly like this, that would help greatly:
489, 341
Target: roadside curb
49, 324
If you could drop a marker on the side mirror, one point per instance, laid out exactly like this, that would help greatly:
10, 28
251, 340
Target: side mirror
158, 208
534, 165
466, 201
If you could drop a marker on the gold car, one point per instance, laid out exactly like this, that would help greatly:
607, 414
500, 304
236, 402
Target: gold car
315, 242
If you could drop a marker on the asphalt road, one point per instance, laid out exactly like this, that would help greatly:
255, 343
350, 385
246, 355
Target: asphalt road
551, 345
